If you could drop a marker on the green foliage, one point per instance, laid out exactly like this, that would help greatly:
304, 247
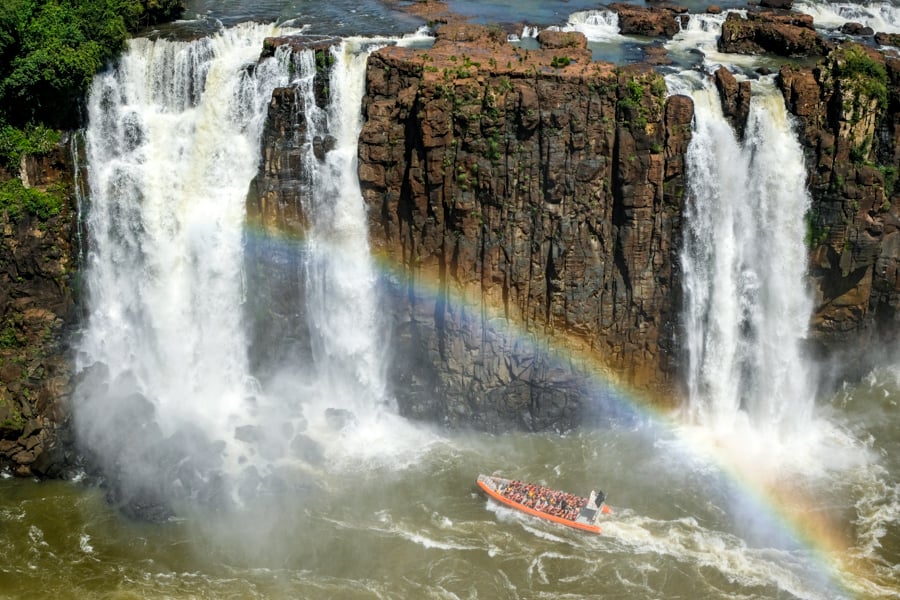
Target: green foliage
859, 154
816, 235
890, 180
33, 139
631, 102
635, 90
51, 49
17, 201
559, 62
9, 338
859, 71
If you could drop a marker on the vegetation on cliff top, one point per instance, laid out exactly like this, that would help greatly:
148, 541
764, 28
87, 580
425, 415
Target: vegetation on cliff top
858, 71
51, 49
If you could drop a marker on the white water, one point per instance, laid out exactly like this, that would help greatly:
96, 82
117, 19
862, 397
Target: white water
172, 144
340, 277
172, 147
596, 25
880, 16
744, 262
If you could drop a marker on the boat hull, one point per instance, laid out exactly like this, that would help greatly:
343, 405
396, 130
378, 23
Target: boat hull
489, 485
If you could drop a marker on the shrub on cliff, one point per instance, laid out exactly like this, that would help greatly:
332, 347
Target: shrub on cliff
16, 201
33, 139
859, 71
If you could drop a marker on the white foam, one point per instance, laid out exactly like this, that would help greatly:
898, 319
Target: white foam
880, 16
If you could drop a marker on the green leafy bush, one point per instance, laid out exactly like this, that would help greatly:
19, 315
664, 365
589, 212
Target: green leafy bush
859, 71
33, 139
17, 201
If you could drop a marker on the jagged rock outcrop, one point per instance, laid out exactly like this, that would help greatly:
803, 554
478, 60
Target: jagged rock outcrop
858, 29
848, 110
38, 257
735, 97
522, 195
784, 34
888, 39
650, 21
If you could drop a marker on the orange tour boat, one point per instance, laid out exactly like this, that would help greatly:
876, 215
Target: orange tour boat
539, 501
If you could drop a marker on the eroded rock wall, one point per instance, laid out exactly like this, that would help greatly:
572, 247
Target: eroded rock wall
523, 198
848, 112
38, 260
277, 220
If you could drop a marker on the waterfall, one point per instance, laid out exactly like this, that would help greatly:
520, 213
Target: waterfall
744, 261
172, 144
168, 404
880, 16
596, 25
340, 275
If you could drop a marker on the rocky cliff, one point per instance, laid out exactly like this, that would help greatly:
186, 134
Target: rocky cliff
523, 197
519, 197
38, 261
848, 111
523, 201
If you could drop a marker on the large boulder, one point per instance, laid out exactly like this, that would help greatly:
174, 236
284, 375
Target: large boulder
650, 21
773, 33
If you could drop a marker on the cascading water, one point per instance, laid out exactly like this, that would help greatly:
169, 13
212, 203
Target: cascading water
744, 262
880, 16
340, 277
172, 144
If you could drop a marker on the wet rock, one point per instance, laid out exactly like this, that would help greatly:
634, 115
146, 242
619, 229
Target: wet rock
656, 55
888, 39
650, 21
555, 40
322, 145
735, 97
782, 34
856, 29
777, 4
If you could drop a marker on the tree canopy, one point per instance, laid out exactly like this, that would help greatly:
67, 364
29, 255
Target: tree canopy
51, 49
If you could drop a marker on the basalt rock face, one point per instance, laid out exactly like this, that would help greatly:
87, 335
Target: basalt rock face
735, 97
650, 21
848, 109
37, 260
277, 217
781, 33
523, 196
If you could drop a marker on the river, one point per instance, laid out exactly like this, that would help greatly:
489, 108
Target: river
326, 492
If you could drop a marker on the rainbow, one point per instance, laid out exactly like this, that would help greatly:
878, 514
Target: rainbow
787, 510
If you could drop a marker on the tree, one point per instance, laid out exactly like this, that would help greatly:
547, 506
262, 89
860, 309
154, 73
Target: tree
51, 50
